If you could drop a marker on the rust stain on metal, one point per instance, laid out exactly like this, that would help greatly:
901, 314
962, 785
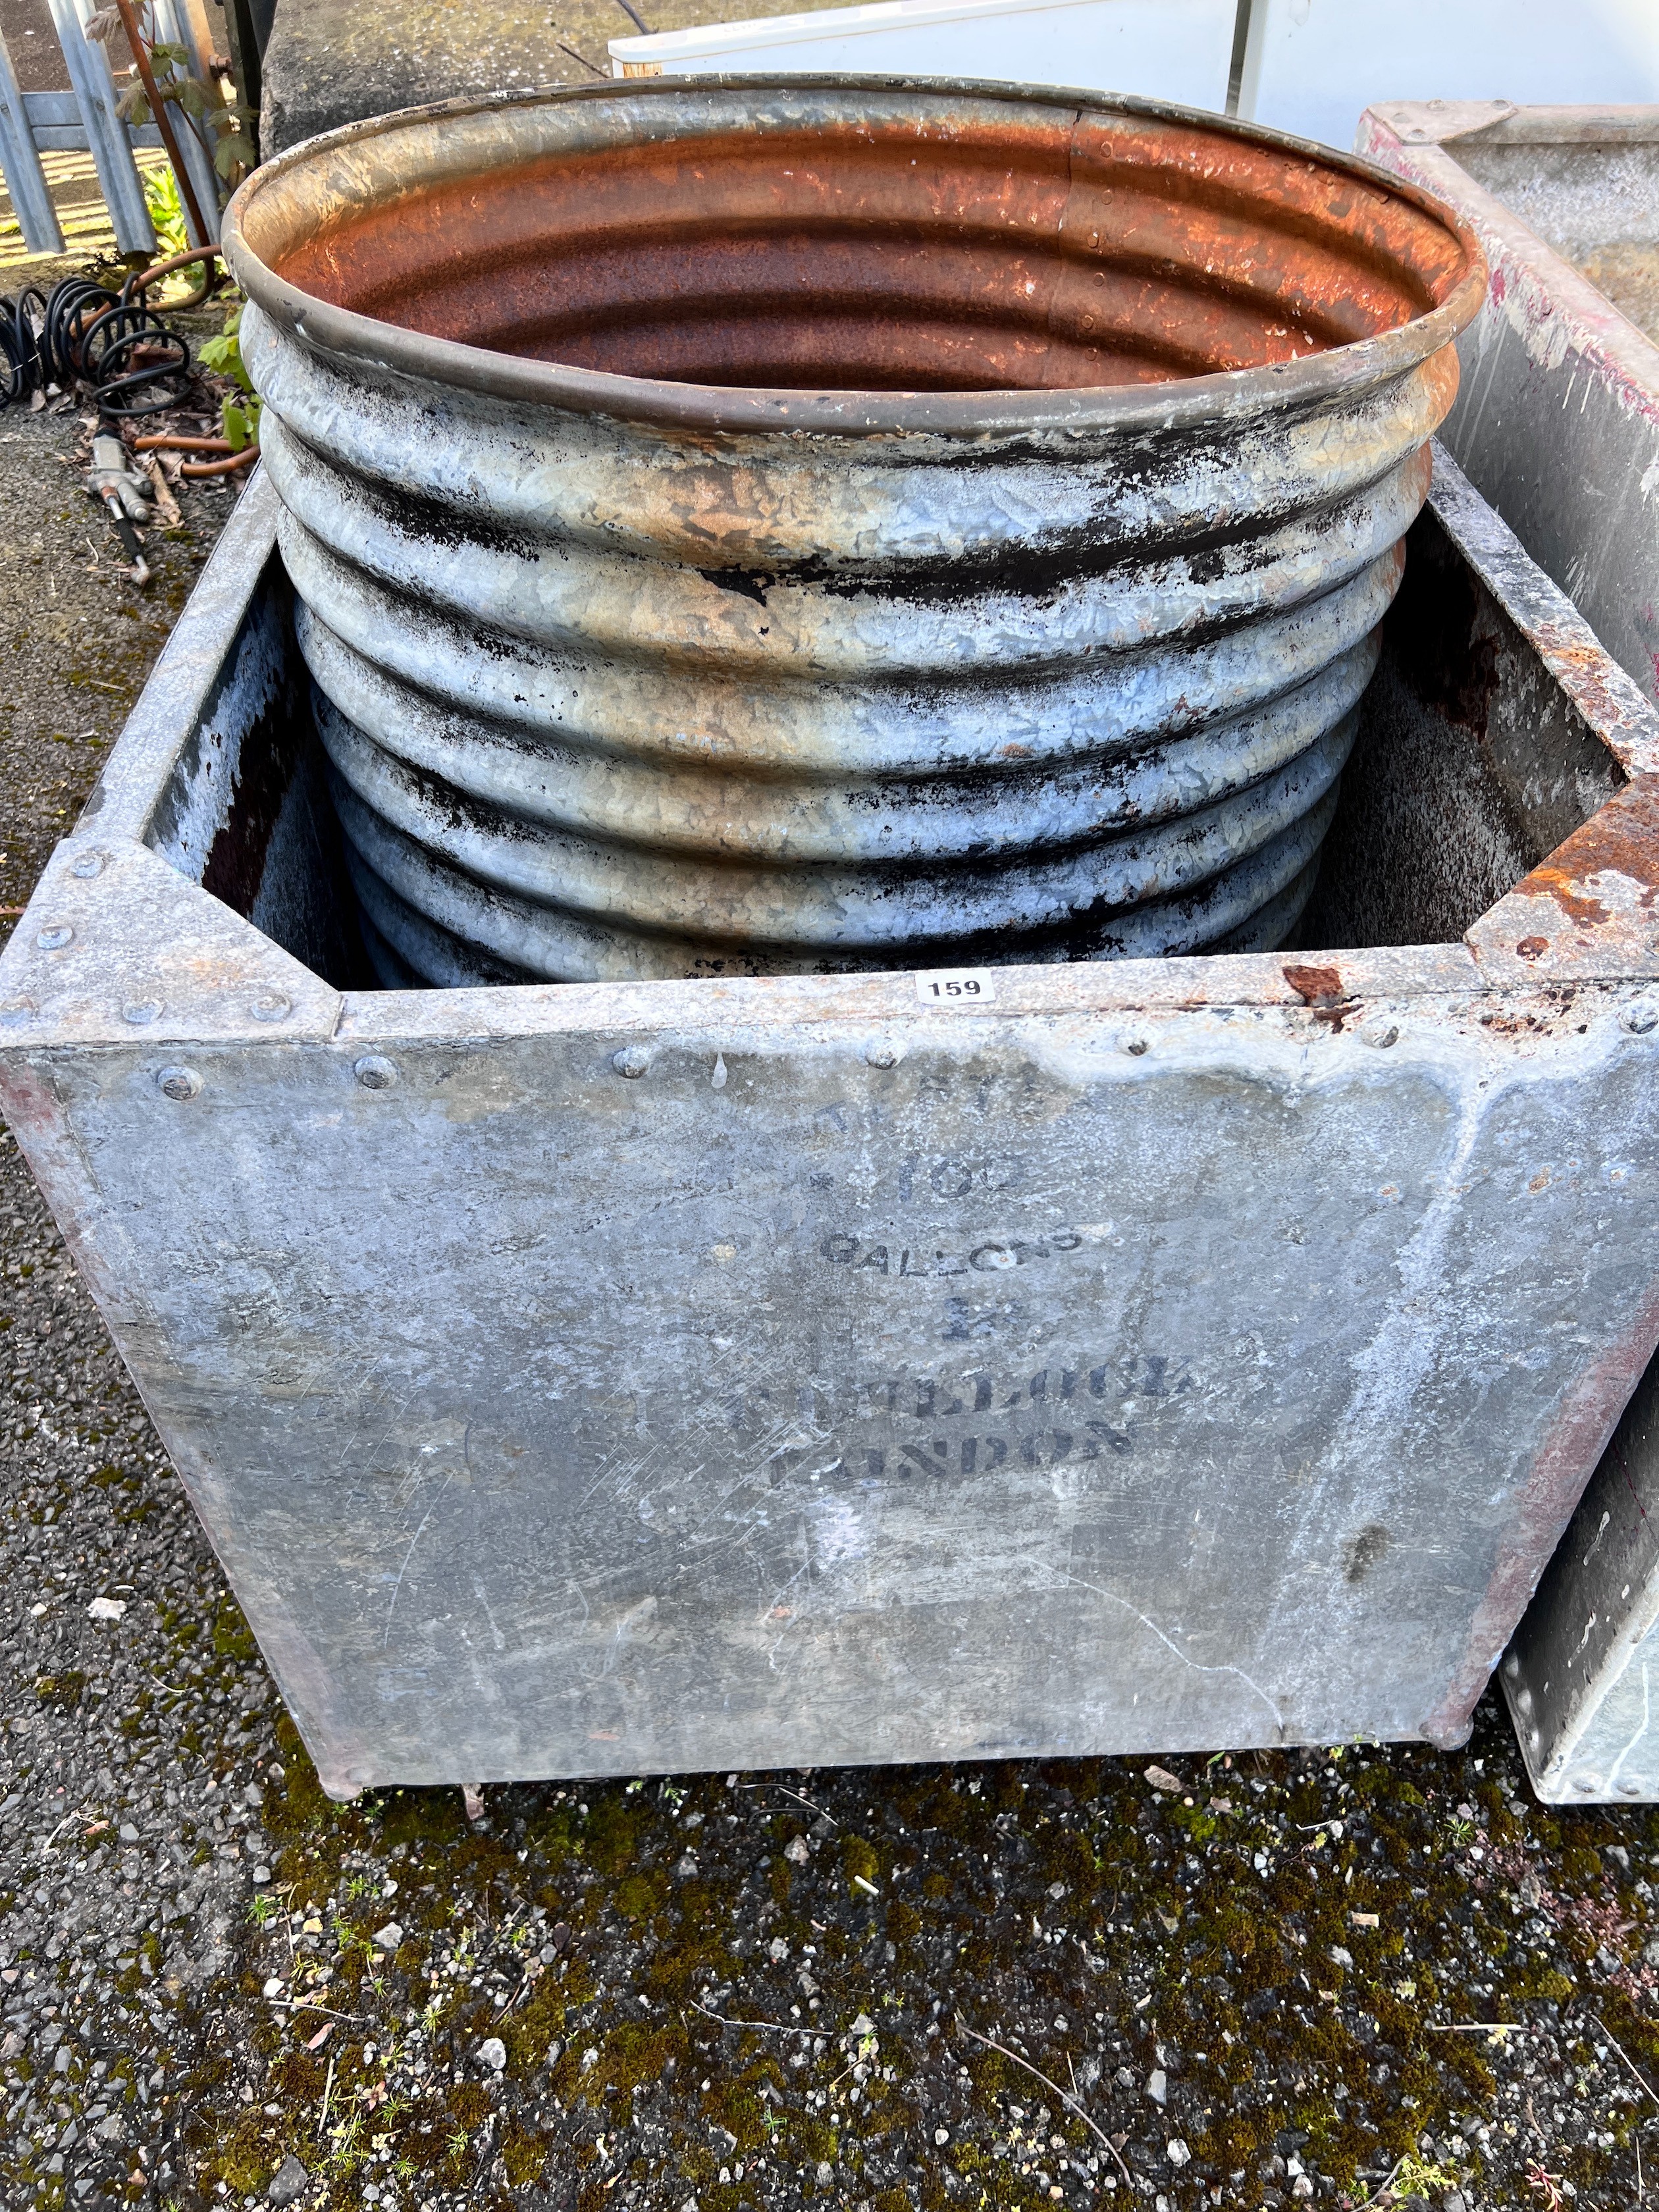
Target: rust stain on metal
1621, 838
1620, 841
1588, 912
1594, 686
1323, 990
1315, 984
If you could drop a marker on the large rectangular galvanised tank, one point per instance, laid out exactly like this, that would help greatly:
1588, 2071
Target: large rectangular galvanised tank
1102, 1356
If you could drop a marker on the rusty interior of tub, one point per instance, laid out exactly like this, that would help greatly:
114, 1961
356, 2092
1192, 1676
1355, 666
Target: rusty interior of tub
1030, 251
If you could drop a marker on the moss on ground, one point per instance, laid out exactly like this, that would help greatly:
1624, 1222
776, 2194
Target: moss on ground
941, 1986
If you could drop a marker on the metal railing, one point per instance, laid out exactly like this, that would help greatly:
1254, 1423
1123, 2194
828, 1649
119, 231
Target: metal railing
85, 119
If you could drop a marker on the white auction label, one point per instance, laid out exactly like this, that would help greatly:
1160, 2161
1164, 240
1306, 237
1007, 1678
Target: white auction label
957, 986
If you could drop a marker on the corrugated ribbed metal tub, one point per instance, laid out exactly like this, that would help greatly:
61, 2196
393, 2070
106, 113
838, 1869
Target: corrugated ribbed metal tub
749, 527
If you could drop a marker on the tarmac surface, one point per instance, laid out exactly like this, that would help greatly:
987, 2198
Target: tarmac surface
326, 65
26, 26
1347, 1977
36, 55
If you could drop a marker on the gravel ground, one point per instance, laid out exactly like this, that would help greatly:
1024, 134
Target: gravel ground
1348, 1976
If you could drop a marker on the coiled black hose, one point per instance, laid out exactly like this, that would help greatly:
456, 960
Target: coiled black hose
82, 333
23, 321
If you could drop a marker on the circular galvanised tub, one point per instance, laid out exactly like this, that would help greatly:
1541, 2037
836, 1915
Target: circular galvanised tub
752, 525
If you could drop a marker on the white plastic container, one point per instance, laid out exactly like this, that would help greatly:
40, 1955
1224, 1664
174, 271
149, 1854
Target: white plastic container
1307, 66
1312, 66
1174, 50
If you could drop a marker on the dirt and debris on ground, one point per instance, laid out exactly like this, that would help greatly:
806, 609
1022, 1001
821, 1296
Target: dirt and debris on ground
1347, 1976
77, 637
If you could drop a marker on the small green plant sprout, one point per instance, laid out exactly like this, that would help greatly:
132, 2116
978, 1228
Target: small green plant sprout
260, 1909
167, 213
1461, 1831
223, 356
222, 127
350, 1939
1417, 2176
343, 2152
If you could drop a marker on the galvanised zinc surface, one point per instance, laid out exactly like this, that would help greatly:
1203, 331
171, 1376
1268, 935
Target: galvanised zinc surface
1558, 422
1582, 1675
1151, 1356
648, 673
1070, 1383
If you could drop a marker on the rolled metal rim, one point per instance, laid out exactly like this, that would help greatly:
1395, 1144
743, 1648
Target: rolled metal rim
741, 409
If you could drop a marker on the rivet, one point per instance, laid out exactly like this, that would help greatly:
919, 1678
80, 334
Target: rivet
88, 864
632, 1061
54, 936
1523, 1699
1588, 1785
1640, 1018
373, 1072
139, 1011
178, 1083
1512, 1665
272, 1006
1629, 1789
1381, 1035
14, 1012
883, 1053
1136, 1045
1529, 948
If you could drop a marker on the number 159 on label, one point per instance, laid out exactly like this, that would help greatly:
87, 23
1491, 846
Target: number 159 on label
957, 986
